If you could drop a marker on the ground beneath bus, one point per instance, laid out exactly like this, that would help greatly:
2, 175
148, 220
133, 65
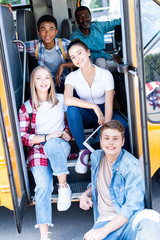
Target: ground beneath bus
69, 225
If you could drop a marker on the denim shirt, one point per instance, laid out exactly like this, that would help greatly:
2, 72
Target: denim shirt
126, 187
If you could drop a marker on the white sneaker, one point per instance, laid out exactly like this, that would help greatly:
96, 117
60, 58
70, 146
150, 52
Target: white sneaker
64, 198
80, 167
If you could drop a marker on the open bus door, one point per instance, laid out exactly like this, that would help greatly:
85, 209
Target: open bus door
14, 186
133, 69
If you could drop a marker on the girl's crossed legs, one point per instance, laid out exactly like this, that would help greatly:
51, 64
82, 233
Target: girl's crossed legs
57, 151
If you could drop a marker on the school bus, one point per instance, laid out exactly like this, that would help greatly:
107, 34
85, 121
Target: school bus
137, 87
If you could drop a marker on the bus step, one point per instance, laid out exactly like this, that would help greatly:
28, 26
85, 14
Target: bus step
88, 131
76, 188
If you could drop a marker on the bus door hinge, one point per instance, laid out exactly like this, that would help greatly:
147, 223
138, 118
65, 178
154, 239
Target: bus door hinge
125, 68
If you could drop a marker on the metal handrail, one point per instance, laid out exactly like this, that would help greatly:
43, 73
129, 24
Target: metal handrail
151, 43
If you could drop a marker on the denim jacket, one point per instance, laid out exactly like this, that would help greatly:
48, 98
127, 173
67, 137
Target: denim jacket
126, 187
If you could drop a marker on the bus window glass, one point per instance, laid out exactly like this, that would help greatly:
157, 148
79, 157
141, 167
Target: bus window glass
104, 11
150, 12
16, 3
19, 4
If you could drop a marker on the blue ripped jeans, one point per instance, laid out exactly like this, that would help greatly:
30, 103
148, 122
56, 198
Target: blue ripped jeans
57, 151
144, 225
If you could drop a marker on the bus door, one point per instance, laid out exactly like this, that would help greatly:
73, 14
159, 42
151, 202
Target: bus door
14, 184
133, 69
150, 12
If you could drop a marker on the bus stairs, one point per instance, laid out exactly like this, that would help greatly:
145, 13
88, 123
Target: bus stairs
77, 182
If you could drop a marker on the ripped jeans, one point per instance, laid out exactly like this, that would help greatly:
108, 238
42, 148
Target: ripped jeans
144, 225
57, 151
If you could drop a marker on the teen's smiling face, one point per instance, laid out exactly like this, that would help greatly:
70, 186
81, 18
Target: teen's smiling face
83, 19
48, 32
79, 55
111, 142
42, 81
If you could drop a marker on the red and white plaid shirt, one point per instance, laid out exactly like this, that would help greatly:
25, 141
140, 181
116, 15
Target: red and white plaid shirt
36, 155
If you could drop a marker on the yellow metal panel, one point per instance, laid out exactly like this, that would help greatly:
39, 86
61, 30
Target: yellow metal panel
133, 58
153, 129
5, 193
153, 136
154, 146
3, 171
78, 3
138, 114
132, 33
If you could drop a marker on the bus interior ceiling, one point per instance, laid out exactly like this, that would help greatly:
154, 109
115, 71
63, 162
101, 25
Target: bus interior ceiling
26, 30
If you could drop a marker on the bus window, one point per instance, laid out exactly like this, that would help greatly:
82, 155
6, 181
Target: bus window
104, 11
39, 7
151, 43
19, 2
152, 71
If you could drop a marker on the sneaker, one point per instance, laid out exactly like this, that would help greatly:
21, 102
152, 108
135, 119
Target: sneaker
64, 198
80, 167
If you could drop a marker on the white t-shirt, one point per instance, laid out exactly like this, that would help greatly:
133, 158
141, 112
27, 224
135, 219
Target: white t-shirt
103, 81
50, 119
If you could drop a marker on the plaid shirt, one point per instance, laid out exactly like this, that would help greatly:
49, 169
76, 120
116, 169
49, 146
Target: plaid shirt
36, 155
31, 48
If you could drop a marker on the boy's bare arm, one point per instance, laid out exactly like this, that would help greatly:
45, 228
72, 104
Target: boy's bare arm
60, 70
101, 233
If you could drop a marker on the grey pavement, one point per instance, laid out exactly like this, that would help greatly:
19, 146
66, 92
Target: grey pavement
69, 225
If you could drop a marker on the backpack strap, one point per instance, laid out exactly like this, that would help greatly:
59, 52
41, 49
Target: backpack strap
62, 49
28, 108
36, 51
60, 45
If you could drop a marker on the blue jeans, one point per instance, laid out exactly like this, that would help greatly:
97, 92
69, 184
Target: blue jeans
57, 151
144, 225
81, 118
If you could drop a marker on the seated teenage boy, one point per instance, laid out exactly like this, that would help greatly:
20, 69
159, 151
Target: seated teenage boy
49, 50
117, 191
